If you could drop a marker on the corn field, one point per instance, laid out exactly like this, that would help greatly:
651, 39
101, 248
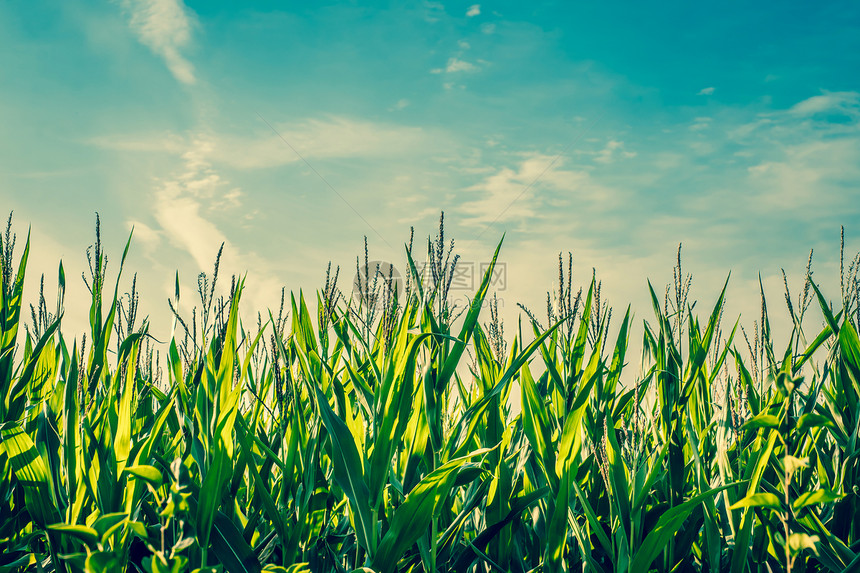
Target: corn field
395, 433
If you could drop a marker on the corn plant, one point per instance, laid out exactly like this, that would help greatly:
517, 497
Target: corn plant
395, 432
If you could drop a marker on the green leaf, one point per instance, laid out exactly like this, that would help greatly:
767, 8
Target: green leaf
413, 517
536, 424
832, 321
86, 534
103, 562
31, 473
260, 486
759, 500
811, 420
557, 528
147, 473
666, 529
474, 415
470, 320
816, 497
761, 421
593, 520
348, 473
106, 524
822, 337
231, 549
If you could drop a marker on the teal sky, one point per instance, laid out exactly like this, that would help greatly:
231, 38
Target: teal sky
290, 130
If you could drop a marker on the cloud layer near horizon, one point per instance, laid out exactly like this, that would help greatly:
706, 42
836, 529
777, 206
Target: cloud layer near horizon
290, 135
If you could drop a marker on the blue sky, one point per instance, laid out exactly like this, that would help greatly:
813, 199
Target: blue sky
290, 131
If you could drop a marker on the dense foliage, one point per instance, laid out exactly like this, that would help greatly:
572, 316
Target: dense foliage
382, 435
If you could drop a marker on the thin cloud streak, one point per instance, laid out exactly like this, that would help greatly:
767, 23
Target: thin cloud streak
164, 26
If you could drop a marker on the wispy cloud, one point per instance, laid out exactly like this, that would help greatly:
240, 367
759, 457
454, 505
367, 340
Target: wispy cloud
180, 202
814, 176
326, 137
474, 10
164, 26
455, 65
143, 233
185, 208
700, 123
458, 65
847, 103
706, 91
332, 136
530, 191
792, 172
433, 12
613, 150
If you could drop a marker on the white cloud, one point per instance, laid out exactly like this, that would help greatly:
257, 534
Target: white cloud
318, 138
667, 160
828, 114
748, 129
180, 202
433, 12
164, 26
473, 10
706, 91
815, 176
532, 190
145, 234
458, 65
798, 164
847, 103
179, 215
332, 136
613, 150
700, 123
184, 207
418, 215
